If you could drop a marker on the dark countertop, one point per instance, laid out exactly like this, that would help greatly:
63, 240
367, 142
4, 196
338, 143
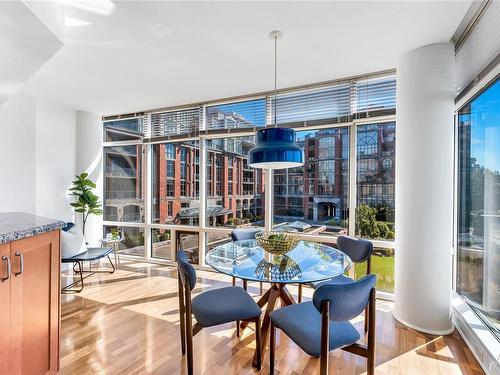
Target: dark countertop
17, 225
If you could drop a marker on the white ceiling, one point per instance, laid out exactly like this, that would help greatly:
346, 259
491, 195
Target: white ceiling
131, 56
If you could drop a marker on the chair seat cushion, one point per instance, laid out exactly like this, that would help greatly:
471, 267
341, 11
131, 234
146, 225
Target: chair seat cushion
337, 280
302, 323
224, 305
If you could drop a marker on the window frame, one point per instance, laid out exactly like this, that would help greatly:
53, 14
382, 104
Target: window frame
208, 135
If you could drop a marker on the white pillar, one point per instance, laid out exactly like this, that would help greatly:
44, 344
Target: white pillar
424, 189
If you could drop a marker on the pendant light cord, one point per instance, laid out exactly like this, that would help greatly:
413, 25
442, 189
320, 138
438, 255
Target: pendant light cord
275, 77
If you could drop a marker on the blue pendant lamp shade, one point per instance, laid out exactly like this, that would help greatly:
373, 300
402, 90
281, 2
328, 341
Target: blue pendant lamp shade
275, 149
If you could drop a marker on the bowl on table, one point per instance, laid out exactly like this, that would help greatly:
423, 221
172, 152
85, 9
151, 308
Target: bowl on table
277, 243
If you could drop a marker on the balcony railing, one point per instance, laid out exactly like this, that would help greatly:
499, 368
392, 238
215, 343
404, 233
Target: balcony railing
122, 195
121, 171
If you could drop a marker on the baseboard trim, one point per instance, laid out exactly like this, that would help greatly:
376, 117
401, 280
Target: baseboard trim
423, 330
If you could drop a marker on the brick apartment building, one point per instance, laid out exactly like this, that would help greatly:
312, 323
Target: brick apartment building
316, 192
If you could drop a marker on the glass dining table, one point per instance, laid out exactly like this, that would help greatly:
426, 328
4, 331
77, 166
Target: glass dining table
308, 262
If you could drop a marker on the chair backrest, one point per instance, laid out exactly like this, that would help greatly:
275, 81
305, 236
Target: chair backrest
186, 270
68, 226
347, 300
242, 234
357, 249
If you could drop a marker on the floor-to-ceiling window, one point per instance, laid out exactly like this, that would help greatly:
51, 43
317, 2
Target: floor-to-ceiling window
314, 198
187, 169
124, 183
478, 227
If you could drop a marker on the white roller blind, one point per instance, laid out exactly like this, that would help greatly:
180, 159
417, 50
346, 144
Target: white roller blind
480, 47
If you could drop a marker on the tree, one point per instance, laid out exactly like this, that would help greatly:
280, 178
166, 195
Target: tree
366, 222
86, 201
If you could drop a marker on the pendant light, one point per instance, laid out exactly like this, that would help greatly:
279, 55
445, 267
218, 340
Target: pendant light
275, 147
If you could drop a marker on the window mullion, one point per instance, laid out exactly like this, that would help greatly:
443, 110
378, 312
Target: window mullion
352, 179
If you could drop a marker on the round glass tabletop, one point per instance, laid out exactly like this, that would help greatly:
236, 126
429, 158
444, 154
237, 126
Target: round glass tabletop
308, 262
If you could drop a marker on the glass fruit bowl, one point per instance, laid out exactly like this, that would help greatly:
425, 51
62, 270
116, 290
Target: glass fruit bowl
277, 243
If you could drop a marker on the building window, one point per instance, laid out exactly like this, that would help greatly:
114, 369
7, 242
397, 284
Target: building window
123, 184
240, 189
478, 255
326, 147
375, 181
367, 140
170, 169
170, 151
317, 193
174, 183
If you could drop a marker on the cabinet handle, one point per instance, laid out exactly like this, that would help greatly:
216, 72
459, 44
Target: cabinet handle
21, 263
9, 269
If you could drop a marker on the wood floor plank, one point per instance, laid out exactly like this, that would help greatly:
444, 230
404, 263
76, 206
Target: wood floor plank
128, 323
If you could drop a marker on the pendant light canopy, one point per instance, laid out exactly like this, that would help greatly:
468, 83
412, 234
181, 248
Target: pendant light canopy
275, 147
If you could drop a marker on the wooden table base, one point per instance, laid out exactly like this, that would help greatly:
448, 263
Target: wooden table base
269, 298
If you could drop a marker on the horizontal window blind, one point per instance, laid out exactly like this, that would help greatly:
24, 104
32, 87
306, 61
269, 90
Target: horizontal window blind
339, 102
374, 95
314, 104
173, 123
246, 114
480, 48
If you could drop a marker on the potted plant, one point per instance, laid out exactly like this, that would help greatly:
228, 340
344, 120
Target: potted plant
86, 201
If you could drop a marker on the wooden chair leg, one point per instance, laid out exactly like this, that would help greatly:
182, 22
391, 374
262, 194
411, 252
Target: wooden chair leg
237, 328
189, 338
300, 293
245, 284
182, 320
272, 344
370, 367
258, 341
261, 290
367, 314
234, 281
325, 337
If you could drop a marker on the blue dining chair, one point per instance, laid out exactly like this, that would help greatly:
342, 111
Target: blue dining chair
322, 324
359, 251
211, 308
242, 234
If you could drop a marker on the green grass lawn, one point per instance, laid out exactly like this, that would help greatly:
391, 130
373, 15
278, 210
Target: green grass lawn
383, 267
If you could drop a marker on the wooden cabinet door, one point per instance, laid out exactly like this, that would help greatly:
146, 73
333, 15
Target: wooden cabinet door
4, 309
35, 304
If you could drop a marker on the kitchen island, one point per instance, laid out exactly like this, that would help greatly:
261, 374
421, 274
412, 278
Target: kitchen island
29, 293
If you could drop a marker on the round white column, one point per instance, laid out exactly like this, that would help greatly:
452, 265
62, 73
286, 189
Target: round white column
424, 189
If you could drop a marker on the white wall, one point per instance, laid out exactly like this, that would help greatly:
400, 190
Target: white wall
37, 156
55, 159
17, 154
89, 159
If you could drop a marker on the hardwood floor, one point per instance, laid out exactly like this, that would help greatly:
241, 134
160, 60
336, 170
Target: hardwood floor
128, 323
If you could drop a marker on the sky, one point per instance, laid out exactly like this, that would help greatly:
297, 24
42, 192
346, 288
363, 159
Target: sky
485, 124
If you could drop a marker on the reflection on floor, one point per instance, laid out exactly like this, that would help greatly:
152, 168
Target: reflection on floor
128, 323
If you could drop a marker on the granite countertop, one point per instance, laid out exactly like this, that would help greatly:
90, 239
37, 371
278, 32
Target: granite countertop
17, 225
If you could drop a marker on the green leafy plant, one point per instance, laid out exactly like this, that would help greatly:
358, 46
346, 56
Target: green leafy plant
86, 201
